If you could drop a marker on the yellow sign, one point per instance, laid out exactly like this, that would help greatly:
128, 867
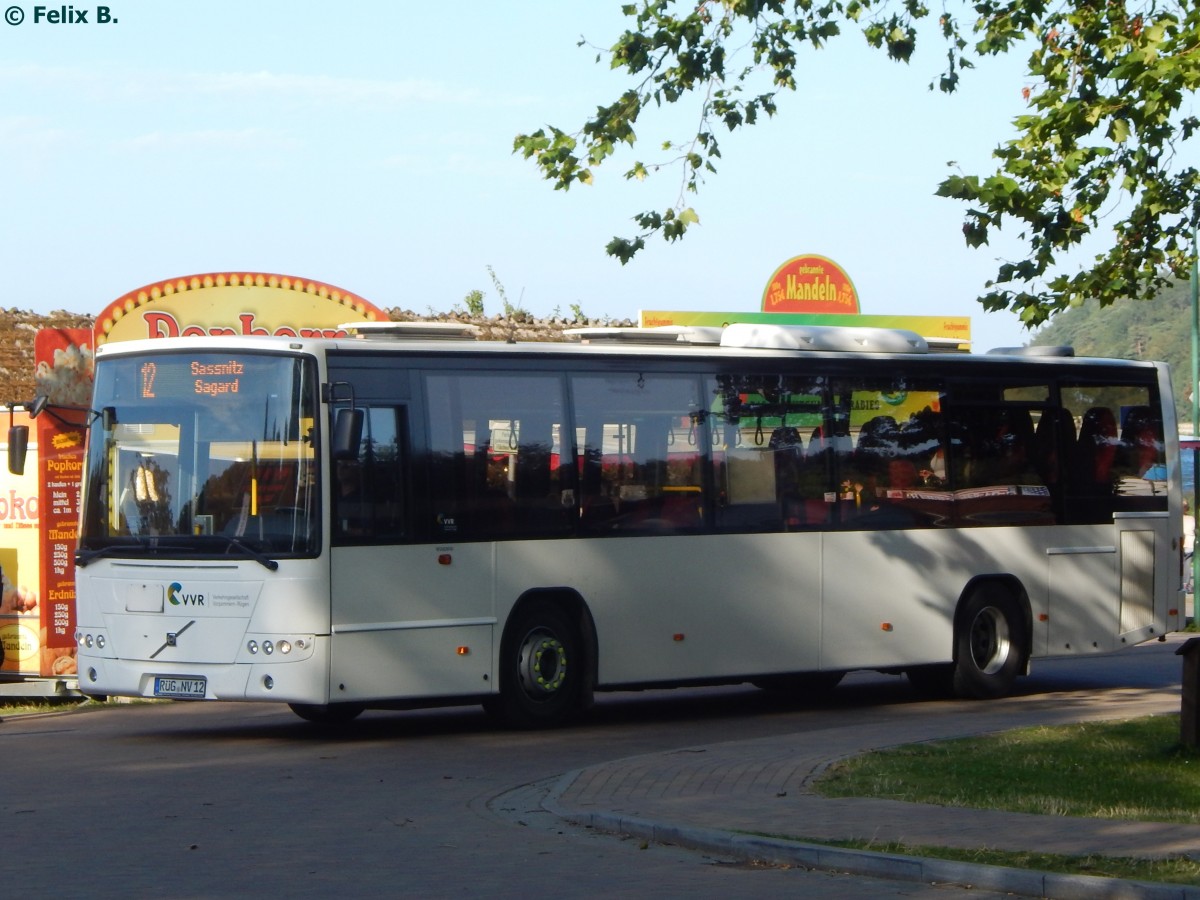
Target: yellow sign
22, 646
810, 284
940, 328
233, 303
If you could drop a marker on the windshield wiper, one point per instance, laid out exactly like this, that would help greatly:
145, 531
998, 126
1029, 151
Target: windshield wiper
84, 557
255, 555
157, 544
133, 544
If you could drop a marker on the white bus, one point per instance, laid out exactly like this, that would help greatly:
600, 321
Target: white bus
400, 519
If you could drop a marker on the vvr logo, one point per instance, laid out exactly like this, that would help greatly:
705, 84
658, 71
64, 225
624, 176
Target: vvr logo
177, 597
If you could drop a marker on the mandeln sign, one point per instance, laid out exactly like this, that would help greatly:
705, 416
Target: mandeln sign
810, 284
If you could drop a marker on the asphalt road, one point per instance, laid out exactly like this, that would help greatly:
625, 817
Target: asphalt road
226, 800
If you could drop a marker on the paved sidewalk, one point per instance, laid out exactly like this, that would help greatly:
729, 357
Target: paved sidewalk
724, 797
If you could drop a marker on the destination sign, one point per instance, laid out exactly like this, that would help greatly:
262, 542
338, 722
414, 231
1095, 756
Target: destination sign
177, 377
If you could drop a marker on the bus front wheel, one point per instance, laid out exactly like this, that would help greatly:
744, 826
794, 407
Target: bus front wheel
991, 644
542, 669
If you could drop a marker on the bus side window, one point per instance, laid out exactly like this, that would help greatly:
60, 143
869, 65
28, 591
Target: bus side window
643, 441
1141, 450
1096, 451
500, 462
368, 491
753, 483
889, 456
1054, 438
995, 468
769, 477
541, 483
597, 508
1001, 448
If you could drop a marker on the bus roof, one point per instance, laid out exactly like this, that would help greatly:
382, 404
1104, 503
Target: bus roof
738, 340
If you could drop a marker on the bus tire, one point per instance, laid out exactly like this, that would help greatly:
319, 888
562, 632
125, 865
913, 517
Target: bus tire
991, 644
327, 713
541, 668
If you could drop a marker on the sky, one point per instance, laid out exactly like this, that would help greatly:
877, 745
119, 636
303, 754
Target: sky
368, 145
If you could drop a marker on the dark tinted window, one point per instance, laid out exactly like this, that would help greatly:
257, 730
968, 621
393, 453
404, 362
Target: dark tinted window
369, 502
499, 456
642, 441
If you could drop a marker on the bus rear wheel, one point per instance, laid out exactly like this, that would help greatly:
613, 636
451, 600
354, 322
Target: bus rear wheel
991, 644
541, 672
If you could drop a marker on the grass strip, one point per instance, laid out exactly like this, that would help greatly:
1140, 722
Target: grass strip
11, 707
1135, 769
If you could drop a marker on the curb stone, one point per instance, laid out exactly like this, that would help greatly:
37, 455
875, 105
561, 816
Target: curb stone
897, 867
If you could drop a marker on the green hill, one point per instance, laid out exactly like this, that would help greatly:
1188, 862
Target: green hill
1159, 329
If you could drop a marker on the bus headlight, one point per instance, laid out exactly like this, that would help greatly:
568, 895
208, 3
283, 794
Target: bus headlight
292, 647
86, 641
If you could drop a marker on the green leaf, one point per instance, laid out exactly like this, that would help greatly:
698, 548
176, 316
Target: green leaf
1108, 88
623, 249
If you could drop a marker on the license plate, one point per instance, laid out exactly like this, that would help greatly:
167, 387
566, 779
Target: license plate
179, 688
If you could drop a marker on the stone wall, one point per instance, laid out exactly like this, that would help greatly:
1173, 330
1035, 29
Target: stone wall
18, 329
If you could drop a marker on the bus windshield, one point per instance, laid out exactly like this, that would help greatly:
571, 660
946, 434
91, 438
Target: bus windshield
204, 453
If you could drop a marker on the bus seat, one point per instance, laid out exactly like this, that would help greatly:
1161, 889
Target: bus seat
1096, 450
878, 442
1020, 422
597, 513
804, 512
785, 438
787, 448
901, 474
1016, 441
682, 510
879, 436
816, 441
1141, 440
1139, 419
1055, 442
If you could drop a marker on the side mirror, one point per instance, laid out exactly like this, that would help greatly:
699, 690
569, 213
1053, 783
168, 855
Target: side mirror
347, 433
38, 406
18, 446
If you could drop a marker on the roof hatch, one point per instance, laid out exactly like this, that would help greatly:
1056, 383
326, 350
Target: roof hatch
849, 339
454, 331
